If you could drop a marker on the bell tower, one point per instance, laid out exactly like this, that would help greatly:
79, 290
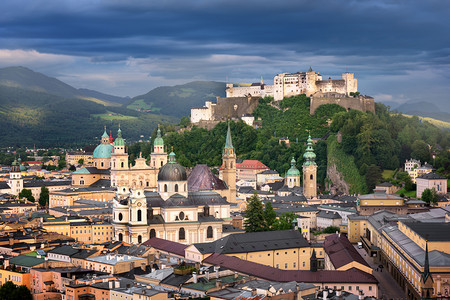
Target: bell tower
15, 178
229, 166
158, 156
309, 171
119, 160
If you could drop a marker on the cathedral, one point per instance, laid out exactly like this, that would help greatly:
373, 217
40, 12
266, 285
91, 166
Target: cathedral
111, 165
180, 210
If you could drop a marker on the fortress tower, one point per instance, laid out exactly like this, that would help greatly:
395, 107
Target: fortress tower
309, 171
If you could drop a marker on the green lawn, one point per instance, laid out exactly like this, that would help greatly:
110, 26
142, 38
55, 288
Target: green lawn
388, 174
140, 104
411, 194
109, 116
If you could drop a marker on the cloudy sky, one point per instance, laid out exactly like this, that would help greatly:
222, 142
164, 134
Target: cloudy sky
399, 50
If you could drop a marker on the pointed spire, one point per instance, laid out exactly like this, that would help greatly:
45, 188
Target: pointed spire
310, 69
262, 81
228, 141
426, 266
309, 155
158, 140
105, 134
119, 140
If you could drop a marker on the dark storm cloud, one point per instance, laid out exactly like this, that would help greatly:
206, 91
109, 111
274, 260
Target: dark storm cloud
243, 39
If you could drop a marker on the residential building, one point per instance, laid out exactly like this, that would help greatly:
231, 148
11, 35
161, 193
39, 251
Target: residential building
412, 164
327, 218
431, 181
425, 169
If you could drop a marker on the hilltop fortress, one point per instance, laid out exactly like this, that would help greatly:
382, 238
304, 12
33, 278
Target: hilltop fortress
343, 92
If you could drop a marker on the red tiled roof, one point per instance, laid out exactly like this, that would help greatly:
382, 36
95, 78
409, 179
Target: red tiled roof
269, 273
341, 252
34, 162
165, 245
251, 164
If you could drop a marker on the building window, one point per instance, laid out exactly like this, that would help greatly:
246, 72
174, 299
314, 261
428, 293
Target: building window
304, 264
120, 216
121, 164
176, 188
152, 233
165, 188
120, 237
209, 232
285, 265
294, 265
181, 234
139, 215
139, 239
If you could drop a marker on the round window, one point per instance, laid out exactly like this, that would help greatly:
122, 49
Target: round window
181, 215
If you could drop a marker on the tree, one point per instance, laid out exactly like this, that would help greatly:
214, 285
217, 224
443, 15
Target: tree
72, 168
10, 291
373, 176
26, 193
61, 164
284, 221
420, 151
43, 198
254, 215
81, 161
331, 229
430, 196
269, 216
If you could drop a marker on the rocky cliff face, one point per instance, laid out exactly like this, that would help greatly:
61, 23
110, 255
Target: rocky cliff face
337, 179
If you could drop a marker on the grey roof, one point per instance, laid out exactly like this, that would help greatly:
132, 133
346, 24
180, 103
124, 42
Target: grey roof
37, 183
193, 199
284, 286
64, 250
255, 241
436, 258
433, 232
430, 175
328, 215
268, 172
385, 184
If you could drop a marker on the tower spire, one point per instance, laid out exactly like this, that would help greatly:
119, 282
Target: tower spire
228, 141
426, 266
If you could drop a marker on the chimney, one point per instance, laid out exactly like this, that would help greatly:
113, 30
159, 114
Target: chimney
325, 294
361, 295
216, 268
194, 276
253, 292
207, 274
218, 283
236, 275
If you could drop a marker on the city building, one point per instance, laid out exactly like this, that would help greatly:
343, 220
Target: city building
412, 164
431, 181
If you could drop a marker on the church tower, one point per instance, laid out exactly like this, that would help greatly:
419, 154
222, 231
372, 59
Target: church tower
158, 156
426, 282
15, 178
293, 175
309, 171
119, 160
229, 166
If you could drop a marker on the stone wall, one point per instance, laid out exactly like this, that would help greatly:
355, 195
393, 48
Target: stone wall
362, 103
234, 107
337, 179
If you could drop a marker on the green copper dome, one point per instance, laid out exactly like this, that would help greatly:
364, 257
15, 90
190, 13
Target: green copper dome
158, 140
293, 171
103, 151
119, 140
309, 155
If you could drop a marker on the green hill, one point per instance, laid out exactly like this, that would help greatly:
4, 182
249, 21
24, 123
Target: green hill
178, 100
24, 78
45, 120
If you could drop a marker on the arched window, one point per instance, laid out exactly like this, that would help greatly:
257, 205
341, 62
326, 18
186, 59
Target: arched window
209, 232
231, 164
152, 233
176, 188
311, 176
165, 188
114, 164
120, 237
121, 164
185, 187
120, 216
154, 163
225, 164
161, 163
140, 182
139, 239
139, 215
181, 234
102, 164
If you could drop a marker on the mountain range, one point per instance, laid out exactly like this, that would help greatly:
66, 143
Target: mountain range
36, 109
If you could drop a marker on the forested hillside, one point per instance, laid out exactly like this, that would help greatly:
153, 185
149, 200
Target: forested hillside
370, 142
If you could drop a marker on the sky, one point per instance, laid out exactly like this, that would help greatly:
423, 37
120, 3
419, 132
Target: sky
398, 50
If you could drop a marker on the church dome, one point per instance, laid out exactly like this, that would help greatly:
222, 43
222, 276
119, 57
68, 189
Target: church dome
172, 171
293, 171
103, 151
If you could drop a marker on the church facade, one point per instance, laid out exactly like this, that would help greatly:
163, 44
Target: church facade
181, 210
